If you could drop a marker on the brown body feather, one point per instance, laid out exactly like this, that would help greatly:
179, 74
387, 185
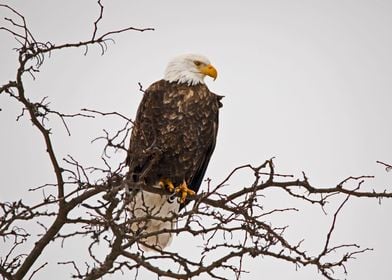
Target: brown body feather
174, 134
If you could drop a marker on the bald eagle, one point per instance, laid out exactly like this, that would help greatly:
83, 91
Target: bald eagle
171, 144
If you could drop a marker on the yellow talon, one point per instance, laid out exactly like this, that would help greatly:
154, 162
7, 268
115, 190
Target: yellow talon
184, 191
166, 184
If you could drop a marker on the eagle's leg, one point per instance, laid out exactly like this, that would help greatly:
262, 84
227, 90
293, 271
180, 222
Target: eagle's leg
184, 191
166, 184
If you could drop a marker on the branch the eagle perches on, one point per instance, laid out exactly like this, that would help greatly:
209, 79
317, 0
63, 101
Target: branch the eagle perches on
228, 224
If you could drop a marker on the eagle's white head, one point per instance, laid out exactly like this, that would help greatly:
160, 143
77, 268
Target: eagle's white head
190, 69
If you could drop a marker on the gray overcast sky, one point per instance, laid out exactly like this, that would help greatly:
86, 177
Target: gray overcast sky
308, 82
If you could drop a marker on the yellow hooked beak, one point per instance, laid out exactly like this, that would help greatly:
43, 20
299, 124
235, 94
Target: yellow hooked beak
209, 70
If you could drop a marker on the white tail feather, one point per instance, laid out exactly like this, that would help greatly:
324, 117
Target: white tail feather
145, 204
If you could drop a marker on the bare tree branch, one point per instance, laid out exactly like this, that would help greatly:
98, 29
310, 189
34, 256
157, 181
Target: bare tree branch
230, 227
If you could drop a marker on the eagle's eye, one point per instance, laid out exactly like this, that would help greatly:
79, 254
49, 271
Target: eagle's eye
197, 63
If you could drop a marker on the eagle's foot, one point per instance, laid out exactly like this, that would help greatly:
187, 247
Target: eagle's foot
184, 191
166, 184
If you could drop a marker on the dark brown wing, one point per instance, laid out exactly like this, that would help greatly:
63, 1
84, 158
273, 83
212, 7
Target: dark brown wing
199, 173
174, 134
143, 149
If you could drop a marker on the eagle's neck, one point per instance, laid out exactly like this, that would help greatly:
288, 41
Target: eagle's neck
179, 74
